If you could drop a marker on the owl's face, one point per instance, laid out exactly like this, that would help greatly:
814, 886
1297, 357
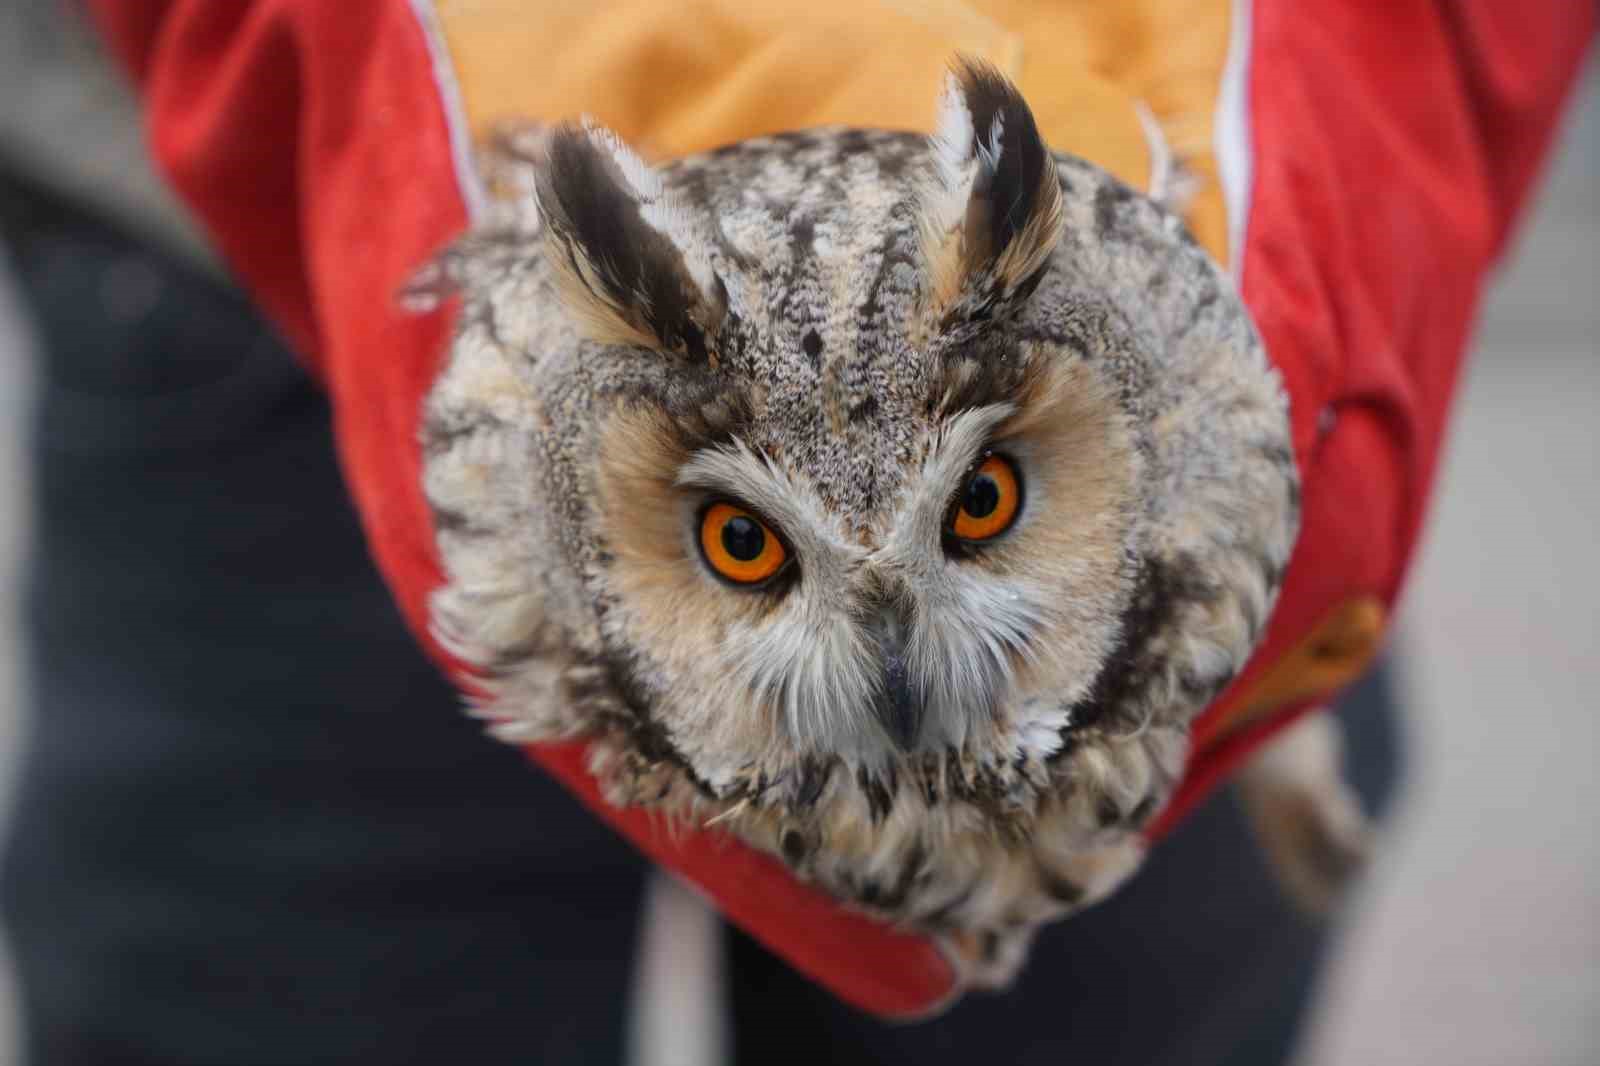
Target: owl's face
888, 497
790, 587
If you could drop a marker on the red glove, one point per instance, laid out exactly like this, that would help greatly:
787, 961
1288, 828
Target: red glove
1373, 159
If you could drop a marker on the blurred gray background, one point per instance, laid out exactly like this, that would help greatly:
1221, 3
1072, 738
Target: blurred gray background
1477, 939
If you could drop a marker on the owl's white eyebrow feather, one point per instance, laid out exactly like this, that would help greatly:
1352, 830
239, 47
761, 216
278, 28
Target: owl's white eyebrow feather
959, 443
961, 439
742, 473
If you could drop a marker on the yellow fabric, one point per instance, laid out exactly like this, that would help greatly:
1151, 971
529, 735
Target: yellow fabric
677, 76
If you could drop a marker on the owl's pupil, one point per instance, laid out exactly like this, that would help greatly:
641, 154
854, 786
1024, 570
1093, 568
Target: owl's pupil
982, 496
743, 538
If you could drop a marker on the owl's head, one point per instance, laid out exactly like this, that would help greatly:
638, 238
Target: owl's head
853, 464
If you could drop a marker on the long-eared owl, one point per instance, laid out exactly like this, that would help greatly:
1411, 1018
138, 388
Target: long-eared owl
892, 501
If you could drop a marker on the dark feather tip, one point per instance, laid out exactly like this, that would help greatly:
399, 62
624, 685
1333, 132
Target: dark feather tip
1019, 170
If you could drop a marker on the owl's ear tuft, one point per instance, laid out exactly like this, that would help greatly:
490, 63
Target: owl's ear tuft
991, 213
629, 268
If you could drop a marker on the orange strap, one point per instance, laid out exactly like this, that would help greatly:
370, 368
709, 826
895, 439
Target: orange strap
1336, 652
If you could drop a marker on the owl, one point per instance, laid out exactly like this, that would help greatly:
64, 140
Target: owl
892, 502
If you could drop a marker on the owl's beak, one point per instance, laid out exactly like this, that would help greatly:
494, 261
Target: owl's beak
899, 705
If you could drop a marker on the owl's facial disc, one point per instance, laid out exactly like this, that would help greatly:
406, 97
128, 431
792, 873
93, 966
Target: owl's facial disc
748, 554
969, 612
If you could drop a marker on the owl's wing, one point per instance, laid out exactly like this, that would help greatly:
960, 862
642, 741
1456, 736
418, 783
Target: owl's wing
1360, 200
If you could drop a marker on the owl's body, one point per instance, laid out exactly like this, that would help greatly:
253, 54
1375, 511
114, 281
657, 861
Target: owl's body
830, 331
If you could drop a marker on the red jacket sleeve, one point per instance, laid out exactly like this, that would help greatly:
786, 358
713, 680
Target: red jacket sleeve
1392, 146
1389, 144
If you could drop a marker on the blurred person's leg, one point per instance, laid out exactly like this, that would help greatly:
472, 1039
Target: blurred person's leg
253, 824
1198, 961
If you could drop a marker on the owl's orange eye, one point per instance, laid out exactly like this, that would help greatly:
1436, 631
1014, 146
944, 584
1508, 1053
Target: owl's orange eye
739, 546
989, 501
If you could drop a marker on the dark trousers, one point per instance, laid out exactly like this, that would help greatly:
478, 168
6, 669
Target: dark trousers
252, 825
